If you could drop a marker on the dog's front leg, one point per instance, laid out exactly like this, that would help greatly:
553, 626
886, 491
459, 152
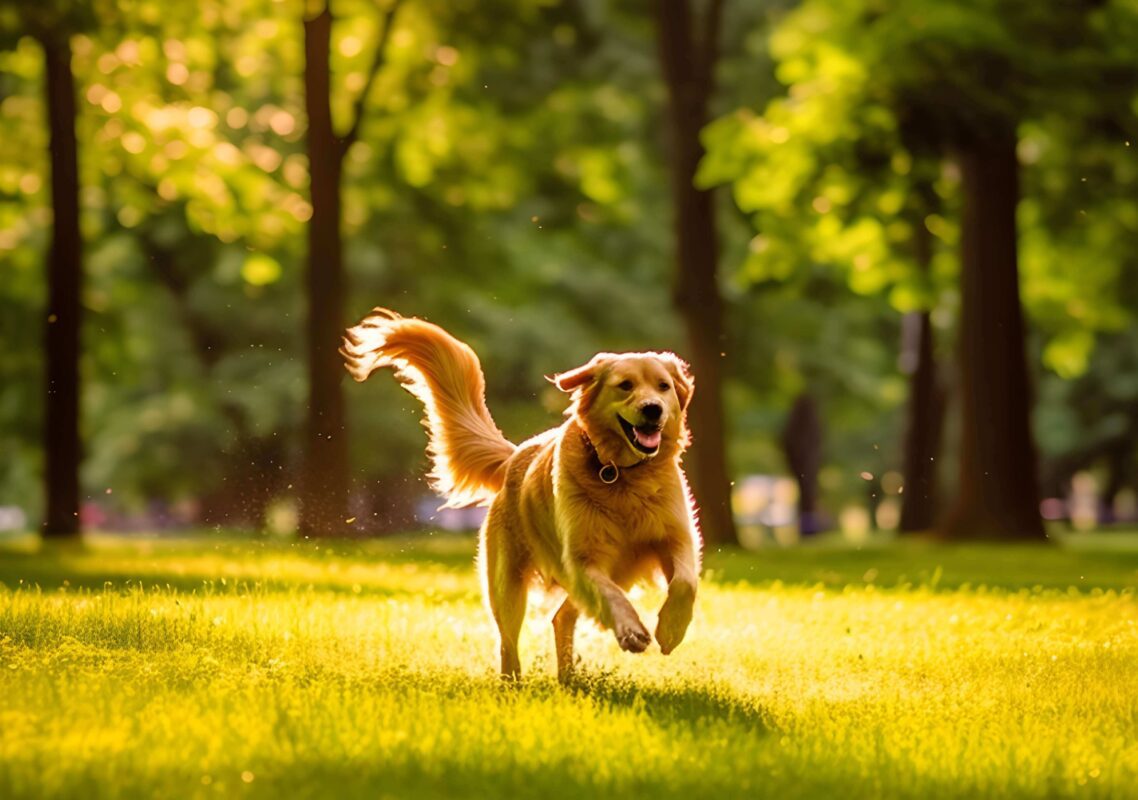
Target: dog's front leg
598, 593
675, 615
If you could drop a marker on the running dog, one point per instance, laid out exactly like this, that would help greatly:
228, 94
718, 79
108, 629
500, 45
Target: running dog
591, 506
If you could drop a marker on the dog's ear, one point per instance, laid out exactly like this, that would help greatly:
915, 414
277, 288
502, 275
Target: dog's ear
581, 376
681, 378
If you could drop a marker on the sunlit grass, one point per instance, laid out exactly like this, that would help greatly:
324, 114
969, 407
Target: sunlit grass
197, 669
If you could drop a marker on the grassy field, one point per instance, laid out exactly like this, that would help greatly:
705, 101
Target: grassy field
176, 669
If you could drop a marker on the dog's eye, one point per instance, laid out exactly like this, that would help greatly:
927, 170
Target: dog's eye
664, 386
625, 386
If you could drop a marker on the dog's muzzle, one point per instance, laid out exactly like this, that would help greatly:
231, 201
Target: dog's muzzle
644, 438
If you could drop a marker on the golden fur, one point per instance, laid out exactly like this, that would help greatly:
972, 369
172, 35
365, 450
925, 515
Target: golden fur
591, 506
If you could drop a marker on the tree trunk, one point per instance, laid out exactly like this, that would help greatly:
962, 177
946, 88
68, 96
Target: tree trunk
926, 408
324, 480
62, 450
687, 65
802, 445
998, 492
922, 436
1119, 460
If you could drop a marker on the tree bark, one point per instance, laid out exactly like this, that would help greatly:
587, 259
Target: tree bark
925, 413
998, 491
802, 445
62, 448
687, 63
324, 479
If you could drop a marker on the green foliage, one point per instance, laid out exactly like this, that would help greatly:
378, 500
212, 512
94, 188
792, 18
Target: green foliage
839, 170
508, 182
849, 171
23, 236
1079, 224
470, 192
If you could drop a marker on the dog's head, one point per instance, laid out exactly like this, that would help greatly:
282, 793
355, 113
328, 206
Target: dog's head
631, 405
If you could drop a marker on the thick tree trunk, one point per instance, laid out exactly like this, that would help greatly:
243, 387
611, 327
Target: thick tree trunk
925, 413
998, 492
687, 65
62, 449
324, 480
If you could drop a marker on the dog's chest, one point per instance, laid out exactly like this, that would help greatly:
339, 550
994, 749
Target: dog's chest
635, 514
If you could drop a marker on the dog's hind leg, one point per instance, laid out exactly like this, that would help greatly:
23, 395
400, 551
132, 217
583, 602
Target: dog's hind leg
564, 624
506, 586
508, 603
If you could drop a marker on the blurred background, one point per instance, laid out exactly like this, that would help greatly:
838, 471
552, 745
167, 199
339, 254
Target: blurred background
896, 240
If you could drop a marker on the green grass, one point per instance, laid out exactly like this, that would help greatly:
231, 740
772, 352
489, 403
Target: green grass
178, 669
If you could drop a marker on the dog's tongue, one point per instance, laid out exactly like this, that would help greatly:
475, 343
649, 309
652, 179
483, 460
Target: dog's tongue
649, 441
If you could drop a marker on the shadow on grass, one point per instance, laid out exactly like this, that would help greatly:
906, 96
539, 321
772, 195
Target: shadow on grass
511, 777
683, 704
505, 768
440, 777
674, 704
126, 568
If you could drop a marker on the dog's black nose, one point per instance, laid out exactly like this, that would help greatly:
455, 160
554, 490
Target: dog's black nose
651, 411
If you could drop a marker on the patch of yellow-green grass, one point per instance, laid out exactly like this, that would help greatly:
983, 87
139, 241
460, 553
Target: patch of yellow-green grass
198, 669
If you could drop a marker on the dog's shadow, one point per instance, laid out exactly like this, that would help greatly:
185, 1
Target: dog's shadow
668, 704
681, 704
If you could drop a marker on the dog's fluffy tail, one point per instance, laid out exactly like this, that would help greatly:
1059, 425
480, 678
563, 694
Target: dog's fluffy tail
467, 450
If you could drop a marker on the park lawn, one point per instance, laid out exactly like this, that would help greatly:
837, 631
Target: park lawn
181, 669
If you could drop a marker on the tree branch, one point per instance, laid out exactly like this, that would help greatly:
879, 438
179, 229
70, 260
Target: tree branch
377, 62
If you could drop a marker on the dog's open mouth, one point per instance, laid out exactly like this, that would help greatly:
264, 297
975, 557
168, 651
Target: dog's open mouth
643, 438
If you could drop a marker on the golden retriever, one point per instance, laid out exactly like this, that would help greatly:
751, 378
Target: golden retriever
591, 506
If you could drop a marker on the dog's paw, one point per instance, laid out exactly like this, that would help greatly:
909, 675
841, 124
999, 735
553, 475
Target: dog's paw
675, 616
632, 636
